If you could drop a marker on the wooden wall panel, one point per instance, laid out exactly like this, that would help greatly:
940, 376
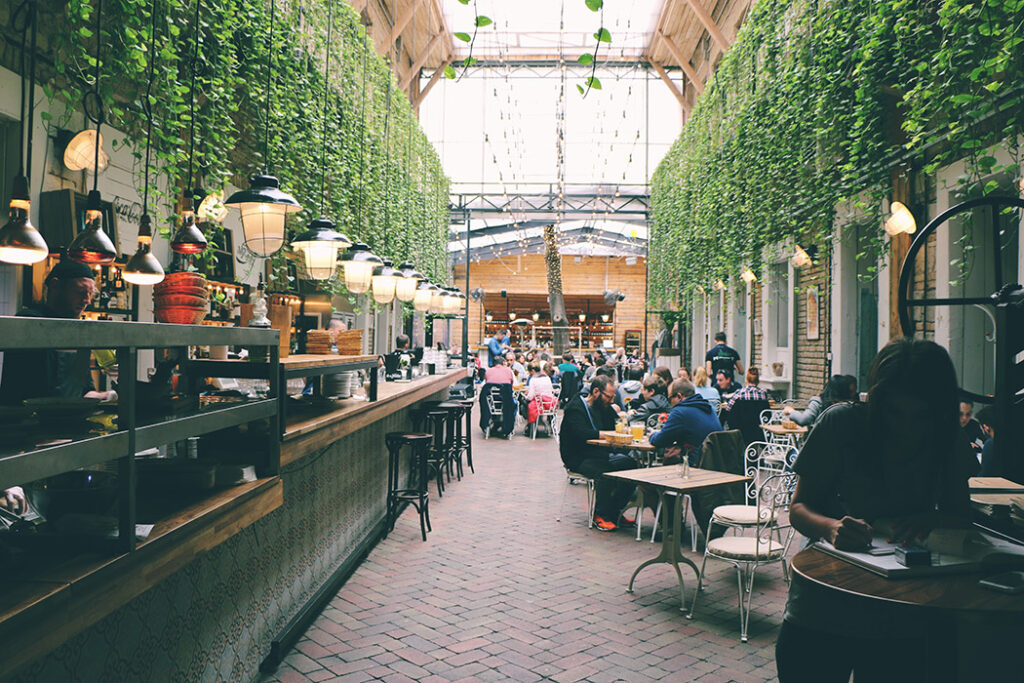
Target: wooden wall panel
526, 274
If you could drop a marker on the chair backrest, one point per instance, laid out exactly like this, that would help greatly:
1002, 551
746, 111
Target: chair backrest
654, 421
745, 416
763, 459
773, 497
771, 416
493, 397
570, 386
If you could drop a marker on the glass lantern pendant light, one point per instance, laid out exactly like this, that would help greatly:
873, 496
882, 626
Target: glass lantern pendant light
91, 245
385, 279
358, 263
20, 242
437, 297
143, 268
424, 295
320, 242
264, 206
405, 289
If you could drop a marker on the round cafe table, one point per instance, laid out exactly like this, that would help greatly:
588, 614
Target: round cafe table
982, 629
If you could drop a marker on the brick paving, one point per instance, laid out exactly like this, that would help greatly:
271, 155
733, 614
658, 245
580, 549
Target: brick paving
501, 591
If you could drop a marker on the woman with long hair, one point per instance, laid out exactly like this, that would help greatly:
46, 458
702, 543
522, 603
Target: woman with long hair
704, 388
893, 465
837, 389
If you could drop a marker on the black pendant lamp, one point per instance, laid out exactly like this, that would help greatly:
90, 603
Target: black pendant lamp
188, 238
92, 245
264, 206
143, 268
20, 242
320, 242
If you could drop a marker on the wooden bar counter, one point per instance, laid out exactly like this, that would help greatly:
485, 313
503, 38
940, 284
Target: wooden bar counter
209, 594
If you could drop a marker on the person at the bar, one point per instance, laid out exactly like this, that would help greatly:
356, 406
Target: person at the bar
496, 347
897, 462
37, 373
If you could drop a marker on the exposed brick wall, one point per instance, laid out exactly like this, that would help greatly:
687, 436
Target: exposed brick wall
924, 287
811, 355
756, 296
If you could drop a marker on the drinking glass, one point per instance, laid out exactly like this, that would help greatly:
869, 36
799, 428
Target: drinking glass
638, 433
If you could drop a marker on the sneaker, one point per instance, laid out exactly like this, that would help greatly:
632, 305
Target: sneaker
627, 522
602, 524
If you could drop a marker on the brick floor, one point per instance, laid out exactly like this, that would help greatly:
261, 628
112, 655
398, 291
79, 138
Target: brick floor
501, 591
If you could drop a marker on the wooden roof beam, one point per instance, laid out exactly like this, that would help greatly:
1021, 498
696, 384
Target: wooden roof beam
672, 86
684, 63
422, 94
404, 18
709, 24
414, 70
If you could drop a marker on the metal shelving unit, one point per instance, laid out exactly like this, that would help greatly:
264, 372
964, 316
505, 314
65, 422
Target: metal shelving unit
120, 445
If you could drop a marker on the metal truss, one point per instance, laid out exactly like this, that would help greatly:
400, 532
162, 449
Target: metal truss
621, 245
613, 202
551, 68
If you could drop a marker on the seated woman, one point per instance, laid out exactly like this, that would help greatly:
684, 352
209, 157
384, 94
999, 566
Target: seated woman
838, 389
750, 391
655, 393
896, 462
539, 384
704, 388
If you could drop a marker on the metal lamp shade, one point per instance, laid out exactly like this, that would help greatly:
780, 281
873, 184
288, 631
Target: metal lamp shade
264, 208
91, 245
405, 288
319, 245
358, 263
424, 295
385, 279
188, 238
20, 242
143, 268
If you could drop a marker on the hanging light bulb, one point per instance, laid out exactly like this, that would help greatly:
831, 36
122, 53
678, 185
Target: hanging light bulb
437, 300
405, 288
536, 316
143, 268
604, 317
212, 207
20, 242
384, 280
511, 316
358, 263
582, 317
424, 295
319, 245
748, 276
188, 238
900, 220
92, 245
79, 154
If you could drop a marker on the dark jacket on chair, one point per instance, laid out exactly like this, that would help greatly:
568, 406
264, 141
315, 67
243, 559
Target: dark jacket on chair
745, 415
508, 406
577, 429
722, 452
689, 423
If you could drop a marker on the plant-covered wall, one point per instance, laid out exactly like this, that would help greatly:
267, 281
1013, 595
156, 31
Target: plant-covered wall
384, 182
821, 102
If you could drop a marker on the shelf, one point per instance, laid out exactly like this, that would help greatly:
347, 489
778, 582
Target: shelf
41, 333
201, 421
39, 463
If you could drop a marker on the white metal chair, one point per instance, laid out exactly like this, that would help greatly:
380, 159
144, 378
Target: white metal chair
761, 460
550, 413
572, 478
748, 553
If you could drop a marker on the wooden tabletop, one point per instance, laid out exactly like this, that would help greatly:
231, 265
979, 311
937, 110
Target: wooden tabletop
315, 360
667, 477
644, 445
994, 485
779, 429
952, 592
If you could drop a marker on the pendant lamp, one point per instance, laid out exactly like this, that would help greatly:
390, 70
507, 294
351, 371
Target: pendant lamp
143, 268
405, 289
358, 263
319, 245
424, 295
91, 245
385, 279
264, 206
437, 300
320, 242
20, 242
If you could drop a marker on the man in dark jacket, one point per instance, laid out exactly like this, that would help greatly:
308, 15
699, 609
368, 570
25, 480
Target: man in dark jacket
583, 419
689, 423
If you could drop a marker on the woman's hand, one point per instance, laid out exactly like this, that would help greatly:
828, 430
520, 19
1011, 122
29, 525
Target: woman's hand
786, 410
14, 500
850, 533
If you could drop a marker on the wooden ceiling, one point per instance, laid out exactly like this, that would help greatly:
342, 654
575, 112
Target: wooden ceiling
685, 46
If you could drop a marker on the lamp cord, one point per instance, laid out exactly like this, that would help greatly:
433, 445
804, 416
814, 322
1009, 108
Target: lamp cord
99, 100
270, 86
327, 106
147, 106
24, 13
362, 141
387, 165
192, 104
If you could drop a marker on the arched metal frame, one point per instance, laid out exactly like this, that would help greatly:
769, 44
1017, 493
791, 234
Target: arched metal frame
1001, 292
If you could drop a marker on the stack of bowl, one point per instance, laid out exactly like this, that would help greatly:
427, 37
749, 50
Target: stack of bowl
181, 298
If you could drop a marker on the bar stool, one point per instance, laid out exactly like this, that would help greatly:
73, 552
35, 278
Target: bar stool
453, 436
467, 435
416, 493
434, 421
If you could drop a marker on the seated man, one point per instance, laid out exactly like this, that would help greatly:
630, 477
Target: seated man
726, 385
689, 423
630, 388
499, 373
583, 419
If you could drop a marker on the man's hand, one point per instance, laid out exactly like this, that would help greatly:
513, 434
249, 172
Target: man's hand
673, 452
14, 500
850, 533
786, 410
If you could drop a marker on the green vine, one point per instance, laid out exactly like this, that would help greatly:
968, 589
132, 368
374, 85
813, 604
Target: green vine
823, 103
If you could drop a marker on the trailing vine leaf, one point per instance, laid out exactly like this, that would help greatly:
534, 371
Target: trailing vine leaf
594, 82
482, 21
464, 37
449, 71
585, 59
594, 5
603, 36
